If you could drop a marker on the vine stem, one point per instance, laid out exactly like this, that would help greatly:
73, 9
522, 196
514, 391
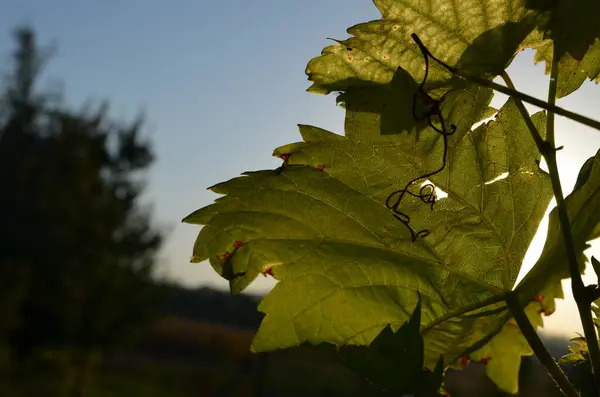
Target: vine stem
510, 91
548, 150
577, 286
538, 347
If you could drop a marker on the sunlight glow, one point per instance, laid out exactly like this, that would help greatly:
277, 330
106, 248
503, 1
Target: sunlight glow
439, 193
498, 178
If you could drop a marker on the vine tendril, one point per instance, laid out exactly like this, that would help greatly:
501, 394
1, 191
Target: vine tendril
427, 191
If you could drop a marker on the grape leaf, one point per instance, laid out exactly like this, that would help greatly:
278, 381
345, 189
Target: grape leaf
570, 29
347, 267
578, 352
479, 36
579, 349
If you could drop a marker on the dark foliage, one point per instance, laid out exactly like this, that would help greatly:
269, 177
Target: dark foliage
76, 248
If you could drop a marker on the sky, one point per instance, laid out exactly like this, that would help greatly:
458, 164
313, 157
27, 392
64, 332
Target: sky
222, 84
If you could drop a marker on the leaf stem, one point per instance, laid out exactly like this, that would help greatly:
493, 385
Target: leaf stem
552, 100
472, 307
510, 92
538, 347
578, 287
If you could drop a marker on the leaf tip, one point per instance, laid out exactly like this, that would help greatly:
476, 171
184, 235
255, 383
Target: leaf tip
317, 88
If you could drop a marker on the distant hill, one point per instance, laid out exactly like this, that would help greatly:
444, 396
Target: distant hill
205, 324
210, 305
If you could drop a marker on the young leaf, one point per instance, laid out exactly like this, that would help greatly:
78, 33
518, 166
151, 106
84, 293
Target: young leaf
579, 352
579, 349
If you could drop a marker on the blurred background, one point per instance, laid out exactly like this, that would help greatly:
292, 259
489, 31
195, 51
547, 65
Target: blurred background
114, 118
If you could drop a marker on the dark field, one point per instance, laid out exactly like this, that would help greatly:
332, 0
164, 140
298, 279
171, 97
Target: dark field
180, 357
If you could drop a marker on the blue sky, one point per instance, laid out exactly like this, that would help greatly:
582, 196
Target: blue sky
223, 84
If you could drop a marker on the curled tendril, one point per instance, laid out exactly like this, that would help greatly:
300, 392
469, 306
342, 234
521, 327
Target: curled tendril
427, 191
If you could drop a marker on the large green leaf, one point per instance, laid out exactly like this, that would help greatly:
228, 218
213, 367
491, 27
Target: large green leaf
569, 29
347, 267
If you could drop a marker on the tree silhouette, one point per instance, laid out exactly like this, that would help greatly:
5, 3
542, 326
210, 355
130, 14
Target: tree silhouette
76, 248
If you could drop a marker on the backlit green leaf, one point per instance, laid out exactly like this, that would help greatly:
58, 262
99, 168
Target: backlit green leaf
570, 29
579, 348
347, 267
480, 36
348, 270
578, 352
